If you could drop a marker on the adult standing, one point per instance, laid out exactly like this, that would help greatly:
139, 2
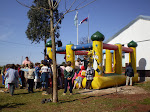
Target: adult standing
78, 63
26, 61
85, 62
12, 76
129, 73
47, 60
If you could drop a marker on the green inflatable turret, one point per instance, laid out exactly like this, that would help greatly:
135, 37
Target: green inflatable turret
97, 36
132, 44
49, 44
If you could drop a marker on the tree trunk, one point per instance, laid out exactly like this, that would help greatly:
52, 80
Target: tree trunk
45, 47
55, 92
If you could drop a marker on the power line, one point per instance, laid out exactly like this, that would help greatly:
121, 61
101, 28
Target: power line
141, 41
19, 43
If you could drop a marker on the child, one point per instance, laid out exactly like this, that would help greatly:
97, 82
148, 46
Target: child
59, 79
78, 63
12, 76
30, 77
26, 75
62, 68
89, 76
20, 75
44, 76
68, 75
37, 75
80, 77
3, 75
75, 75
129, 73
17, 68
6, 78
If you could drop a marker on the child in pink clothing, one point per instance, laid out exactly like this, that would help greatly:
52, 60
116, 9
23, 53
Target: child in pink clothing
75, 75
80, 77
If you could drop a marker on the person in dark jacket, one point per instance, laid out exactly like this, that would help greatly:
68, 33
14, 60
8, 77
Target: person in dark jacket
129, 73
68, 75
85, 62
47, 60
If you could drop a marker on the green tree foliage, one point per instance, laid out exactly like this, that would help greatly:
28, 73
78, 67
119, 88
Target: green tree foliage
39, 24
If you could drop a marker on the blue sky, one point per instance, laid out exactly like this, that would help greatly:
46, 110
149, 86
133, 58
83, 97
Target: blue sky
106, 16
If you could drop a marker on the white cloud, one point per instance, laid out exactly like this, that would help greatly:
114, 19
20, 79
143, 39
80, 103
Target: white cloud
6, 29
5, 36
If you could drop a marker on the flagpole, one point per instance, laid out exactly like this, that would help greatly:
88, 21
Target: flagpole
88, 29
77, 31
77, 27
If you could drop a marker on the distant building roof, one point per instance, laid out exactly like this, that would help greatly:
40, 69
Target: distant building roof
127, 26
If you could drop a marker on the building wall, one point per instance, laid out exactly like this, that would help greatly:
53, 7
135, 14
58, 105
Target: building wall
138, 31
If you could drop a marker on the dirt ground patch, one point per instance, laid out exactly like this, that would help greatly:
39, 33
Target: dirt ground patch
133, 94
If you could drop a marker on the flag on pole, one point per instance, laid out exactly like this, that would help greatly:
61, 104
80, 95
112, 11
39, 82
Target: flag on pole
84, 20
76, 19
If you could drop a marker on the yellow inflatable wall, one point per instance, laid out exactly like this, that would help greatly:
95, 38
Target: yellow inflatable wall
109, 80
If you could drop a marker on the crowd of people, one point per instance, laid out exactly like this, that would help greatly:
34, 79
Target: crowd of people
40, 75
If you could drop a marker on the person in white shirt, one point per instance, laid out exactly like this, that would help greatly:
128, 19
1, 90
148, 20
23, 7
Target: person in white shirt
45, 76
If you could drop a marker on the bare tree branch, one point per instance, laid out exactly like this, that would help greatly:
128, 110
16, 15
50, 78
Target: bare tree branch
64, 15
52, 3
65, 5
57, 3
60, 19
81, 3
72, 11
49, 3
31, 7
72, 4
82, 6
23, 4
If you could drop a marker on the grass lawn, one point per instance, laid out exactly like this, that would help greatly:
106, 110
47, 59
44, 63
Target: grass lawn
24, 102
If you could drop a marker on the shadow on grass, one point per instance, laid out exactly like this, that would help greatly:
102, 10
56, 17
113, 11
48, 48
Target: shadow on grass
2, 87
21, 93
11, 105
27, 93
64, 101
